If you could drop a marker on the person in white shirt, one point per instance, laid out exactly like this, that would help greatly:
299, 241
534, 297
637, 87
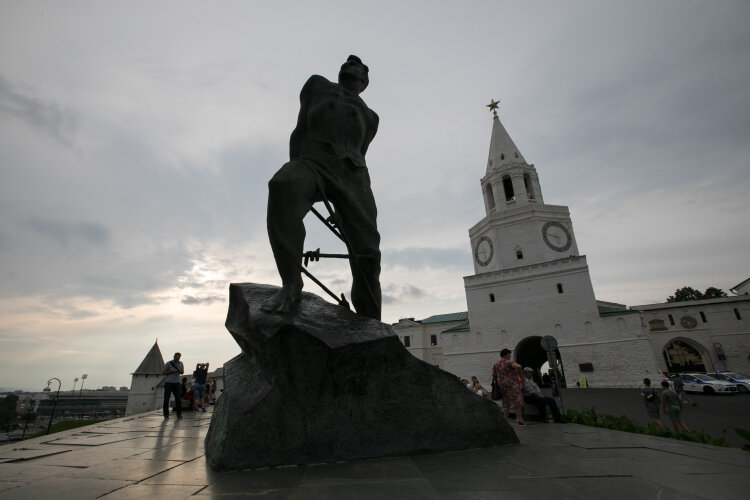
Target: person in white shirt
532, 395
173, 369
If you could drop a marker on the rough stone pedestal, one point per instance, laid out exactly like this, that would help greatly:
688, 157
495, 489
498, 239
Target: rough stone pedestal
325, 385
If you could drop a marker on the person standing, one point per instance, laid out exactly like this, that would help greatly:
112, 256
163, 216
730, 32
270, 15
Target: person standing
173, 369
507, 374
651, 401
199, 386
671, 404
532, 395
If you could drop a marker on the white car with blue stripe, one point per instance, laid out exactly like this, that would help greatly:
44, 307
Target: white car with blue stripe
741, 381
699, 382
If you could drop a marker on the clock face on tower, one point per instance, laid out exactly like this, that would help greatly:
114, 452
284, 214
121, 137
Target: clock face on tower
483, 251
556, 236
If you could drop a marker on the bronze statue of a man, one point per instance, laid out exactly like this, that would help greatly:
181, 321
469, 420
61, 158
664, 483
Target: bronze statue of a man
327, 162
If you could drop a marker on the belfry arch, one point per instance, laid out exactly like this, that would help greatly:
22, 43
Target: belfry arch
529, 352
685, 355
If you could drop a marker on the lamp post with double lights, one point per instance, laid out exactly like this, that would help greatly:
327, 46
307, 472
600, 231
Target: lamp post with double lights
54, 405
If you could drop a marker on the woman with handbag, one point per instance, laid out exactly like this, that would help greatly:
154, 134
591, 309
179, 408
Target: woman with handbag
507, 376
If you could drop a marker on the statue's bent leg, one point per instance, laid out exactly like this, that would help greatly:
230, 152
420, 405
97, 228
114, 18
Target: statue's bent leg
358, 215
291, 193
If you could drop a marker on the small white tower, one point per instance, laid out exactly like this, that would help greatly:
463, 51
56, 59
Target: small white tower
146, 382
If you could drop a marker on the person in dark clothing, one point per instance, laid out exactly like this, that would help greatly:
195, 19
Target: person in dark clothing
199, 386
651, 401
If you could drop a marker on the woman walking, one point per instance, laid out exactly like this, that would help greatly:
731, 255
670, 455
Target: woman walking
507, 375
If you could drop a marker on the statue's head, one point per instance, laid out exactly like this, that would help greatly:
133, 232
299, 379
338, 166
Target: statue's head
354, 75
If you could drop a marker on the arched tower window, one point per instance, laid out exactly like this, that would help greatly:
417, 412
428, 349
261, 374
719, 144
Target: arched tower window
529, 186
559, 288
490, 197
508, 187
492, 297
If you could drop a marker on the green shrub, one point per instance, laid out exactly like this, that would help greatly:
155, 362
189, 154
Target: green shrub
588, 416
746, 435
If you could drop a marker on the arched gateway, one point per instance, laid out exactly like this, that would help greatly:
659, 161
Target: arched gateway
529, 352
685, 355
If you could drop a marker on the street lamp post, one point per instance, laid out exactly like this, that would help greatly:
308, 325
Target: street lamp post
54, 405
83, 379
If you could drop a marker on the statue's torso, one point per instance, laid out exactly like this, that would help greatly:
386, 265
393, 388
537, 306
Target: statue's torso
337, 122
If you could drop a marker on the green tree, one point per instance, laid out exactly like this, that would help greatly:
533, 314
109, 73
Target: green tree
689, 293
684, 294
714, 293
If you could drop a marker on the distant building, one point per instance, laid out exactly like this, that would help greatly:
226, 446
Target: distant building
742, 288
530, 281
146, 381
82, 404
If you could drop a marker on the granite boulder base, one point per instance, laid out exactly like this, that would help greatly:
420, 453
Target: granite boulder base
325, 385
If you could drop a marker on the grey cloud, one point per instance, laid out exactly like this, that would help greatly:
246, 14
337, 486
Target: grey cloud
393, 293
191, 300
66, 232
45, 116
81, 314
211, 284
423, 258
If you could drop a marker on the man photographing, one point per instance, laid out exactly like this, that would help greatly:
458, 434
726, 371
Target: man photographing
199, 386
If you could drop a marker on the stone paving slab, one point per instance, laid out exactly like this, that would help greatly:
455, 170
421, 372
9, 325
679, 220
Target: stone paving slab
21, 453
147, 457
64, 487
153, 491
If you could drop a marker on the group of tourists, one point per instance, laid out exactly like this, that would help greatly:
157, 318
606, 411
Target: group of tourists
516, 388
201, 392
670, 401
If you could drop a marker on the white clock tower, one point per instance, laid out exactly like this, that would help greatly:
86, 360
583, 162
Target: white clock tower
530, 280
519, 229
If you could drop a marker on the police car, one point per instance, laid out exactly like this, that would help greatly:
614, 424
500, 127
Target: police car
699, 382
741, 381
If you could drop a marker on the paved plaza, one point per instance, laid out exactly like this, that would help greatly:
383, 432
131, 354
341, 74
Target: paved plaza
144, 456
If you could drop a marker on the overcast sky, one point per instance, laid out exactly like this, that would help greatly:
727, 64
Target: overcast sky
137, 138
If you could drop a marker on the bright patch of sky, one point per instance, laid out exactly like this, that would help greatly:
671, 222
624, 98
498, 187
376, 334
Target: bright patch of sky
137, 138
